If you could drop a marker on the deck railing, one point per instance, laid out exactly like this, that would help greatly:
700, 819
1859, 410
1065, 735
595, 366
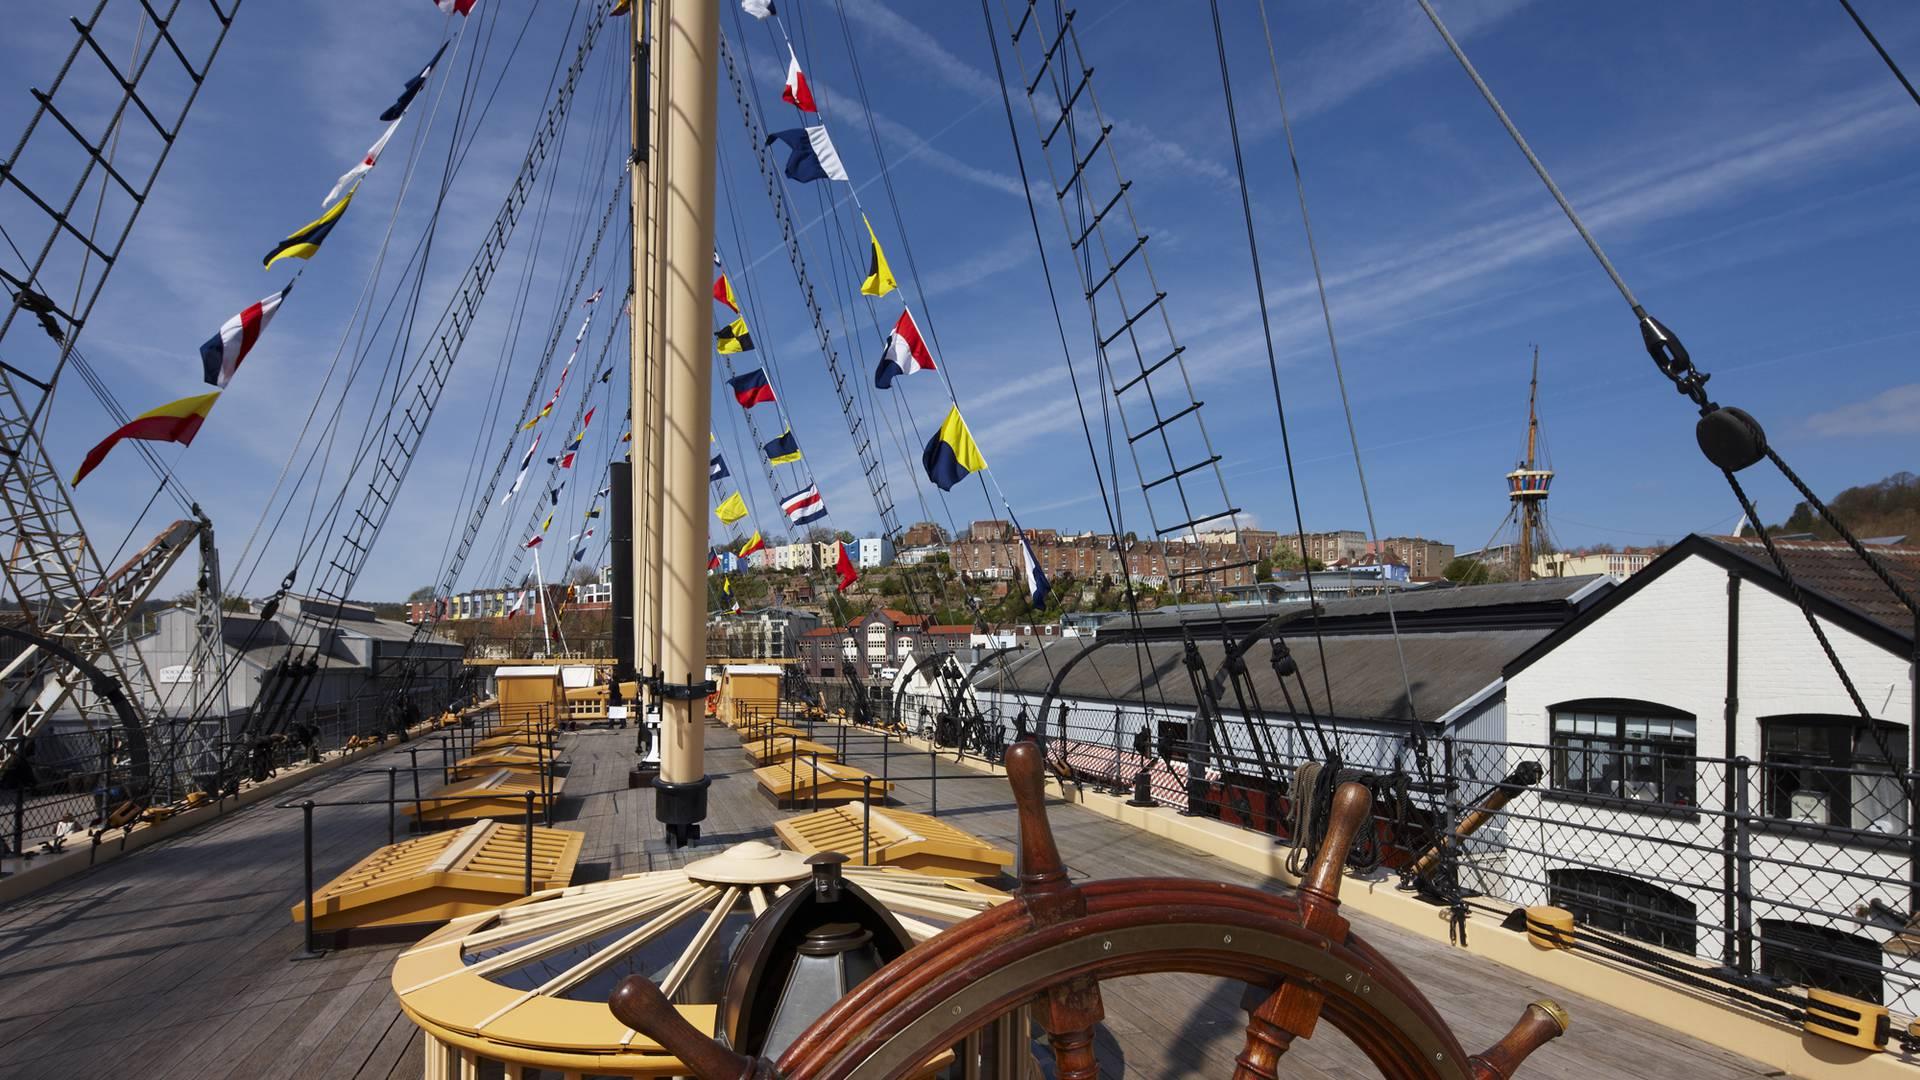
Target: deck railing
1756, 878
73, 786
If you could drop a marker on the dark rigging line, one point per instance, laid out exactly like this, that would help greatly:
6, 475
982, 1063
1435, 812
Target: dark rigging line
1532, 159
1877, 47
1273, 365
1326, 318
1066, 354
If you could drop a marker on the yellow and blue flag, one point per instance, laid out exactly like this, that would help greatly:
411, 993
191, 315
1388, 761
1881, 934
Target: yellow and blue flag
783, 449
951, 454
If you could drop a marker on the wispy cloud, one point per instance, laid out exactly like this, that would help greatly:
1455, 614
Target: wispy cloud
1893, 411
1378, 41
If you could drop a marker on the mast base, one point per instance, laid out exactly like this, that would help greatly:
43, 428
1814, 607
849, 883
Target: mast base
681, 808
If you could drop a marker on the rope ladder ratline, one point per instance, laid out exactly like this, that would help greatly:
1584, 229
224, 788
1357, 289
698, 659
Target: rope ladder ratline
1068, 77
427, 379
54, 573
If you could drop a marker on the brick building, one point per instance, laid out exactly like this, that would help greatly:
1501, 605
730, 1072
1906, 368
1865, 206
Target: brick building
1423, 558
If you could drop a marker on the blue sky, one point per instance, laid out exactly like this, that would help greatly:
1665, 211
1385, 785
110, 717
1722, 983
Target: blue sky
1753, 174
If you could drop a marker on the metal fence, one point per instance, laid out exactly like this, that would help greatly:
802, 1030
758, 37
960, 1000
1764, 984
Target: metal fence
1755, 879
72, 784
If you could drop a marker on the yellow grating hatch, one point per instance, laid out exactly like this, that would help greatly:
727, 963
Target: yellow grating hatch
768, 751
792, 782
526, 759
917, 842
444, 875
501, 793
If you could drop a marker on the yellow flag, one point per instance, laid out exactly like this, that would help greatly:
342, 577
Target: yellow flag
732, 509
880, 280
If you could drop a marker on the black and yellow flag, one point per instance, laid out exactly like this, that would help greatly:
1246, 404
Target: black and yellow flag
880, 280
307, 238
733, 337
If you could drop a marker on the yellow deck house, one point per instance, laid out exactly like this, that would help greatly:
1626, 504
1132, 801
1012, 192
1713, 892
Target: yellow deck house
442, 876
871, 836
748, 691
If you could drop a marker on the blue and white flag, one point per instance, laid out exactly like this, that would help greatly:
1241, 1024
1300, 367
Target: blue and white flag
717, 469
522, 477
813, 156
1037, 584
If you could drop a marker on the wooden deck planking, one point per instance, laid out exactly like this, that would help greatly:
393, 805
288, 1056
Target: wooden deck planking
178, 956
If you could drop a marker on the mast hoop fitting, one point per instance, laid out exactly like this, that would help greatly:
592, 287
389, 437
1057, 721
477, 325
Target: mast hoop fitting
683, 691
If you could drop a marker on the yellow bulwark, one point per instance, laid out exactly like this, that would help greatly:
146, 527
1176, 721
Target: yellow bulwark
444, 875
870, 836
792, 783
498, 794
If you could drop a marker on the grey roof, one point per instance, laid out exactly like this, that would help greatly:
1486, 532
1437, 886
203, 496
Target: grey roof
1444, 669
269, 655
1426, 598
388, 630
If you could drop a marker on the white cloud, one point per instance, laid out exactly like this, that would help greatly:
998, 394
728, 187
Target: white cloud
1893, 411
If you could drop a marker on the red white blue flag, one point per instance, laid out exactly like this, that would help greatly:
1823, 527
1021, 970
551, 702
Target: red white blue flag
905, 353
220, 357
804, 505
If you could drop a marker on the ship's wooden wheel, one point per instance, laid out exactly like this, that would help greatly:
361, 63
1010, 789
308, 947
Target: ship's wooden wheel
1053, 947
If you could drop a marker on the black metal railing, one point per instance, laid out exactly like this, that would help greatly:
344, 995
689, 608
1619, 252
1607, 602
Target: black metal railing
76, 787
1759, 877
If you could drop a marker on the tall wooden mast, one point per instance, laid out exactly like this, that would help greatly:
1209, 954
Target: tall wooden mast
673, 193
1527, 487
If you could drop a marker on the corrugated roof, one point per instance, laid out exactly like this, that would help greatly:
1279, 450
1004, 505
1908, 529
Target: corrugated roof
1832, 569
1434, 597
1444, 670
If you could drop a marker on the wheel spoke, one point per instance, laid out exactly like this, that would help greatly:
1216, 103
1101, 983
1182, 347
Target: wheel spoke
1290, 1012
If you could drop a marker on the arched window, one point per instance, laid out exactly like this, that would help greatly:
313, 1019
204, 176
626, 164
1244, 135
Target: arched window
1624, 905
1822, 957
1834, 770
1637, 751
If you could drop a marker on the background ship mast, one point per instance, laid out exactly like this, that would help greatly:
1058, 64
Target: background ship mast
1527, 488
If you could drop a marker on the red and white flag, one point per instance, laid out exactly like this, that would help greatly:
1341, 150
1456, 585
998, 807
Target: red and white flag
844, 568
220, 357
905, 353
352, 176
455, 7
533, 543
797, 93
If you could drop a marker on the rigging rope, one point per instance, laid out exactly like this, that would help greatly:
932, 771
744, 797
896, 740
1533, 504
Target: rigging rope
1877, 47
1333, 348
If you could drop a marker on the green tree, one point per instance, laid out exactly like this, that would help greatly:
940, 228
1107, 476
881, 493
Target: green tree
1465, 571
424, 592
1263, 570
